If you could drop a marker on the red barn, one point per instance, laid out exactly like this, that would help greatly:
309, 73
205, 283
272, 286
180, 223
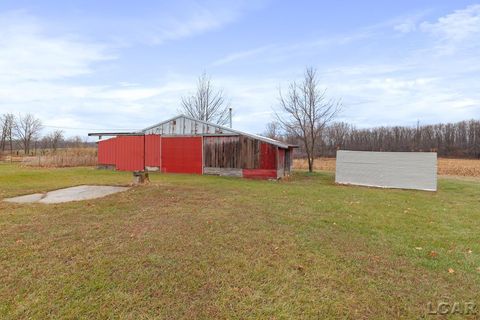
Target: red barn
186, 145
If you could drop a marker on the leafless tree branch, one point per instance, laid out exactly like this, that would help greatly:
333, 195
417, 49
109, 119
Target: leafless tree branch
207, 103
27, 128
305, 110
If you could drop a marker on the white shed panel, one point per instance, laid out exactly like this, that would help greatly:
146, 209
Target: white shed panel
405, 170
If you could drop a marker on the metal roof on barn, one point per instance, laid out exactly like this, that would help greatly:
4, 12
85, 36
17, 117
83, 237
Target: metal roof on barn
183, 125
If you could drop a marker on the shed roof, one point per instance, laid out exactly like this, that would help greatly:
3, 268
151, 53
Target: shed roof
224, 131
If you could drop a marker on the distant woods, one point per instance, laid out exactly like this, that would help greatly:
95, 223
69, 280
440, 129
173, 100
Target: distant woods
22, 134
459, 140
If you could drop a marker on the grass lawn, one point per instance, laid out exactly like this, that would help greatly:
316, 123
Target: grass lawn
199, 247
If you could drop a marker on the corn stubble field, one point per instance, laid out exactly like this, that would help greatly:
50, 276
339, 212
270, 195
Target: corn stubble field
203, 247
450, 167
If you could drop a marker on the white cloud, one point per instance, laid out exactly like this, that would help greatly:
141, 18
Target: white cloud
406, 26
458, 26
28, 54
274, 53
241, 55
202, 19
189, 19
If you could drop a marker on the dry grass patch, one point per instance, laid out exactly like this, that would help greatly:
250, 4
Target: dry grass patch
200, 247
68, 157
322, 164
451, 167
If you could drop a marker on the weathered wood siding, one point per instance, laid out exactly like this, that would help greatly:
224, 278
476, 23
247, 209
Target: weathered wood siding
249, 153
232, 152
288, 160
222, 152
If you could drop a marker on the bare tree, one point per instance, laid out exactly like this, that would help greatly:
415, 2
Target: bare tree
305, 111
272, 131
52, 140
7, 122
27, 129
207, 104
75, 142
56, 138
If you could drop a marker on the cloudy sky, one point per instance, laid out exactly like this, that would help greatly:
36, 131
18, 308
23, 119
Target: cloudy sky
108, 65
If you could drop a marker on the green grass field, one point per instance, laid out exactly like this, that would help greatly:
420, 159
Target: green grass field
199, 247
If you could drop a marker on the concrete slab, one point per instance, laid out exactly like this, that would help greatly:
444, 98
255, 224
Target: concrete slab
78, 193
26, 199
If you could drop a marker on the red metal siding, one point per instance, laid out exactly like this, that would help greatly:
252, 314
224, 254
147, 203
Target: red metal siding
182, 154
130, 152
268, 156
260, 173
152, 150
106, 151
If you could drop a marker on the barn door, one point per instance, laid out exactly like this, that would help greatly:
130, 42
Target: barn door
182, 154
152, 152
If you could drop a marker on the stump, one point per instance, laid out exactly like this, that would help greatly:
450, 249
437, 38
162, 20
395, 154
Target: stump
140, 177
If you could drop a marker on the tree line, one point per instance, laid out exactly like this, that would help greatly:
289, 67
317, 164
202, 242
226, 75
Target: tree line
458, 140
23, 133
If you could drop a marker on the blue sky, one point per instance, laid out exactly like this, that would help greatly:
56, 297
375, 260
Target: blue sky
99, 65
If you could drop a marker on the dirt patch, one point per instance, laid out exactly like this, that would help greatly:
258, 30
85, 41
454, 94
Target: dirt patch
77, 193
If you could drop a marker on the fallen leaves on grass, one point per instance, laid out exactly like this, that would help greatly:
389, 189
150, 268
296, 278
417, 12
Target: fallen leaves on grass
300, 268
433, 254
